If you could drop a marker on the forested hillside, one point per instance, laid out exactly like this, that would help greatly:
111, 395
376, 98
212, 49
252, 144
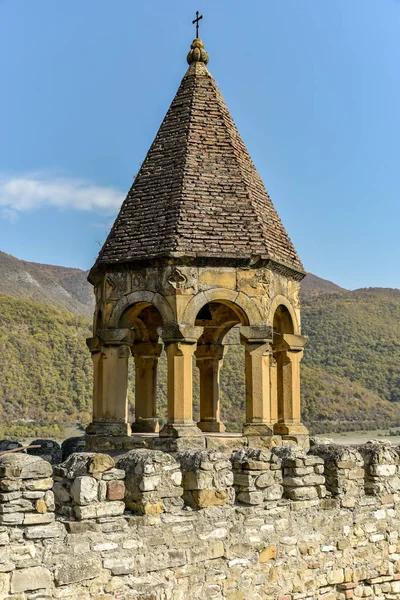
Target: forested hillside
45, 370
350, 375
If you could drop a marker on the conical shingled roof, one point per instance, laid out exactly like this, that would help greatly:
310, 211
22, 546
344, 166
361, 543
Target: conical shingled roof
198, 193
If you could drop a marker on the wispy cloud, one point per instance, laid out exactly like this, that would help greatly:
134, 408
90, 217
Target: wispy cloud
19, 194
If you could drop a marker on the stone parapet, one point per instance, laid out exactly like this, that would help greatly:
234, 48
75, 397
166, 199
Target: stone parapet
344, 471
153, 481
26, 496
303, 475
257, 476
276, 547
88, 486
382, 466
207, 478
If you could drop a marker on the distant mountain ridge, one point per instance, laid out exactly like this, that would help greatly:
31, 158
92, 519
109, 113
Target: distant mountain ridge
62, 287
312, 284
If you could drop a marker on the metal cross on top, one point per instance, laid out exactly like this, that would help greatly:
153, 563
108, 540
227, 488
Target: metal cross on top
197, 20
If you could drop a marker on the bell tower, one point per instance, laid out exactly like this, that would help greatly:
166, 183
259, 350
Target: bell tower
197, 248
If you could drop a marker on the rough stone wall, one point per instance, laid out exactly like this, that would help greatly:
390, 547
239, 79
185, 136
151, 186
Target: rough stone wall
203, 525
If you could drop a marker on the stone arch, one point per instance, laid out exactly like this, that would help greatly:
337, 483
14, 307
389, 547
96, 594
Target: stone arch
153, 298
245, 305
282, 301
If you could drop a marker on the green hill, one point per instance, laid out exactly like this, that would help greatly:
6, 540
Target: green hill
45, 370
350, 374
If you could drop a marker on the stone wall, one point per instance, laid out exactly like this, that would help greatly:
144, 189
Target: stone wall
255, 525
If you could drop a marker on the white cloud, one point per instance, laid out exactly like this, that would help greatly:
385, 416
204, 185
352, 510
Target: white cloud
24, 193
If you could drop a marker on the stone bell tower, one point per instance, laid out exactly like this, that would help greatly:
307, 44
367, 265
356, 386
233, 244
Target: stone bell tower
197, 248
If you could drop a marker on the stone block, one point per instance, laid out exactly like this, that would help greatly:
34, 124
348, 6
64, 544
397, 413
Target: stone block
268, 554
33, 578
119, 566
100, 463
274, 492
208, 497
10, 485
41, 485
84, 490
265, 480
101, 509
113, 475
38, 519
42, 532
115, 490
10, 496
73, 571
301, 493
12, 519
23, 466
17, 505
250, 498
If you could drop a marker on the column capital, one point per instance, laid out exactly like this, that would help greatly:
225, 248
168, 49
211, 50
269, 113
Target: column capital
110, 337
255, 334
290, 342
210, 352
93, 343
116, 337
178, 333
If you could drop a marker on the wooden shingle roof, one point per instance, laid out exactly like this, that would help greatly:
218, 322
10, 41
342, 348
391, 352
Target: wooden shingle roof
198, 193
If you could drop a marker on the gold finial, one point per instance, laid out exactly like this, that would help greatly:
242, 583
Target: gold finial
197, 52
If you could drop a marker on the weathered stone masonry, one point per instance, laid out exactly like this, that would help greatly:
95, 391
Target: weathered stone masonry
201, 524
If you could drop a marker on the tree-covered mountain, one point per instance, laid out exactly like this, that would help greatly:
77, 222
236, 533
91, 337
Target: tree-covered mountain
350, 374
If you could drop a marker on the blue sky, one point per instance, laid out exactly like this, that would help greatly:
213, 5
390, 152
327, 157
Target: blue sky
312, 85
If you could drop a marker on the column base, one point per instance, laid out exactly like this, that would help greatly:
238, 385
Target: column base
259, 429
143, 425
211, 426
116, 428
290, 429
180, 430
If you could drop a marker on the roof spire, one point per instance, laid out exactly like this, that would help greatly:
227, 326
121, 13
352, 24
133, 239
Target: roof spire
197, 52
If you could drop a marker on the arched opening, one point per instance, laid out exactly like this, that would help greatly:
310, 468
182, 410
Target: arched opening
280, 368
219, 391
147, 392
283, 322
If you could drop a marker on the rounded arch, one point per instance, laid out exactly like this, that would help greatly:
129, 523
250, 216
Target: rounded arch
282, 301
149, 298
245, 308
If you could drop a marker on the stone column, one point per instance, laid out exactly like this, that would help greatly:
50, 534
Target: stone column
257, 340
209, 362
274, 388
288, 353
146, 358
180, 343
110, 354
